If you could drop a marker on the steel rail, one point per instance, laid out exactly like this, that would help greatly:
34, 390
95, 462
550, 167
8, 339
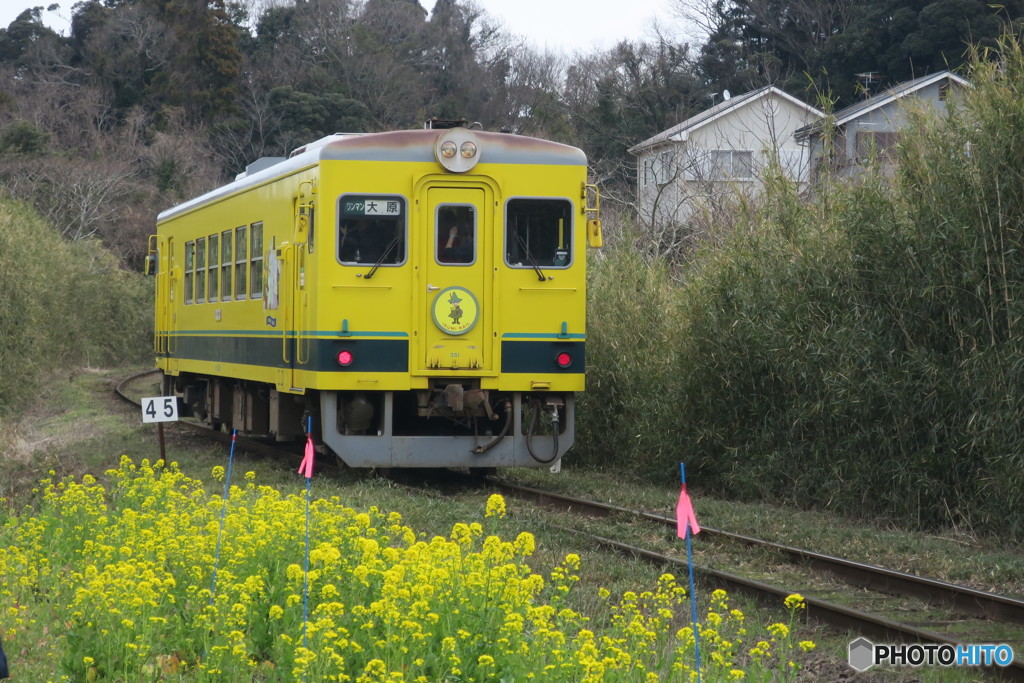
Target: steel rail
987, 605
244, 443
823, 611
968, 600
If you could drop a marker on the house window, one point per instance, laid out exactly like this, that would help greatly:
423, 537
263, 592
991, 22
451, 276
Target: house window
730, 164
872, 143
665, 171
649, 176
256, 261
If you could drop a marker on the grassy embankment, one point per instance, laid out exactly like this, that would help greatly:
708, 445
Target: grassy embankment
64, 304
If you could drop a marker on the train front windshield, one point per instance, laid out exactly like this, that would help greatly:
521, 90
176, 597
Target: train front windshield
371, 230
538, 233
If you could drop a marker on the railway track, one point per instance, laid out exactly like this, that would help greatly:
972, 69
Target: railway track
254, 446
966, 607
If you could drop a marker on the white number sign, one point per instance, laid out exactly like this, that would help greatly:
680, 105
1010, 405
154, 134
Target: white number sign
160, 409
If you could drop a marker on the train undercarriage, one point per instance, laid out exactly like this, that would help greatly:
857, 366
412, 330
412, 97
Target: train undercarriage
452, 423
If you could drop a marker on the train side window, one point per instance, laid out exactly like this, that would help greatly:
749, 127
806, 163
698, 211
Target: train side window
226, 238
256, 261
538, 233
371, 230
214, 270
200, 270
455, 234
312, 223
190, 263
240, 262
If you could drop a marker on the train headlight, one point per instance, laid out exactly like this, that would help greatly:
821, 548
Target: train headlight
457, 149
345, 358
563, 359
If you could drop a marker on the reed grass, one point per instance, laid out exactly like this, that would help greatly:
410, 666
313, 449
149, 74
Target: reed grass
858, 351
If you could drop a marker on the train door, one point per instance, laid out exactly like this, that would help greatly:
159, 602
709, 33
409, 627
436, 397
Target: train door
287, 288
457, 318
161, 250
283, 294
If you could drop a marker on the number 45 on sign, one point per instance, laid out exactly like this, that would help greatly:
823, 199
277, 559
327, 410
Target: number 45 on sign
160, 409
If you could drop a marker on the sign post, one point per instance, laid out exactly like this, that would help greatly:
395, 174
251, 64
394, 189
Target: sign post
160, 409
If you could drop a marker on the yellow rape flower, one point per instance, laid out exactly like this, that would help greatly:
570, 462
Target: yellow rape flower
495, 507
795, 601
525, 544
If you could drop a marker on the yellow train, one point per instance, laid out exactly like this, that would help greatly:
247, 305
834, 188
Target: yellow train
417, 296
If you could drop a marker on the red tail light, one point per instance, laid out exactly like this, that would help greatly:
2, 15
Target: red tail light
563, 360
345, 358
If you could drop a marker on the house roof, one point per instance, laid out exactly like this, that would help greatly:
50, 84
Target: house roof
858, 109
681, 131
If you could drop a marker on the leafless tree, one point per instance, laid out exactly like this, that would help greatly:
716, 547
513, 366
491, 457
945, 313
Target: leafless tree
526, 100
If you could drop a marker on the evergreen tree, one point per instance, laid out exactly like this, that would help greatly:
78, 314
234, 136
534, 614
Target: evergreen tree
26, 31
822, 45
902, 40
638, 90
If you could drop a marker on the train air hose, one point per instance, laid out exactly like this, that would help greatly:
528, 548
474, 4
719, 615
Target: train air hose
483, 448
536, 408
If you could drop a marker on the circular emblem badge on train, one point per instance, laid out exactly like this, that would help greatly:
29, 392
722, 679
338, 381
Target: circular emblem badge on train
455, 310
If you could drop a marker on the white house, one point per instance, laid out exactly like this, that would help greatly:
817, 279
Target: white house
720, 152
873, 126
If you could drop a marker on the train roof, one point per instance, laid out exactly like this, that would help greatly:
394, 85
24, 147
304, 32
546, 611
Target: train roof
395, 146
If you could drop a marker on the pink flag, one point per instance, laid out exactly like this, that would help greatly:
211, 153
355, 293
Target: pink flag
685, 515
306, 466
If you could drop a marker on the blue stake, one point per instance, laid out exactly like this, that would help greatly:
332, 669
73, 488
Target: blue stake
223, 512
693, 595
305, 579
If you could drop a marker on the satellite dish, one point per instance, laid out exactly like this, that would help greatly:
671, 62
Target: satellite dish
725, 95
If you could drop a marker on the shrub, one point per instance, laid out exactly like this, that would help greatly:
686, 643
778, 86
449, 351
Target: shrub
64, 304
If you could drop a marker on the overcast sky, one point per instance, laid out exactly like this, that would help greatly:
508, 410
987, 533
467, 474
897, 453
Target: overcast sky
569, 25
577, 25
